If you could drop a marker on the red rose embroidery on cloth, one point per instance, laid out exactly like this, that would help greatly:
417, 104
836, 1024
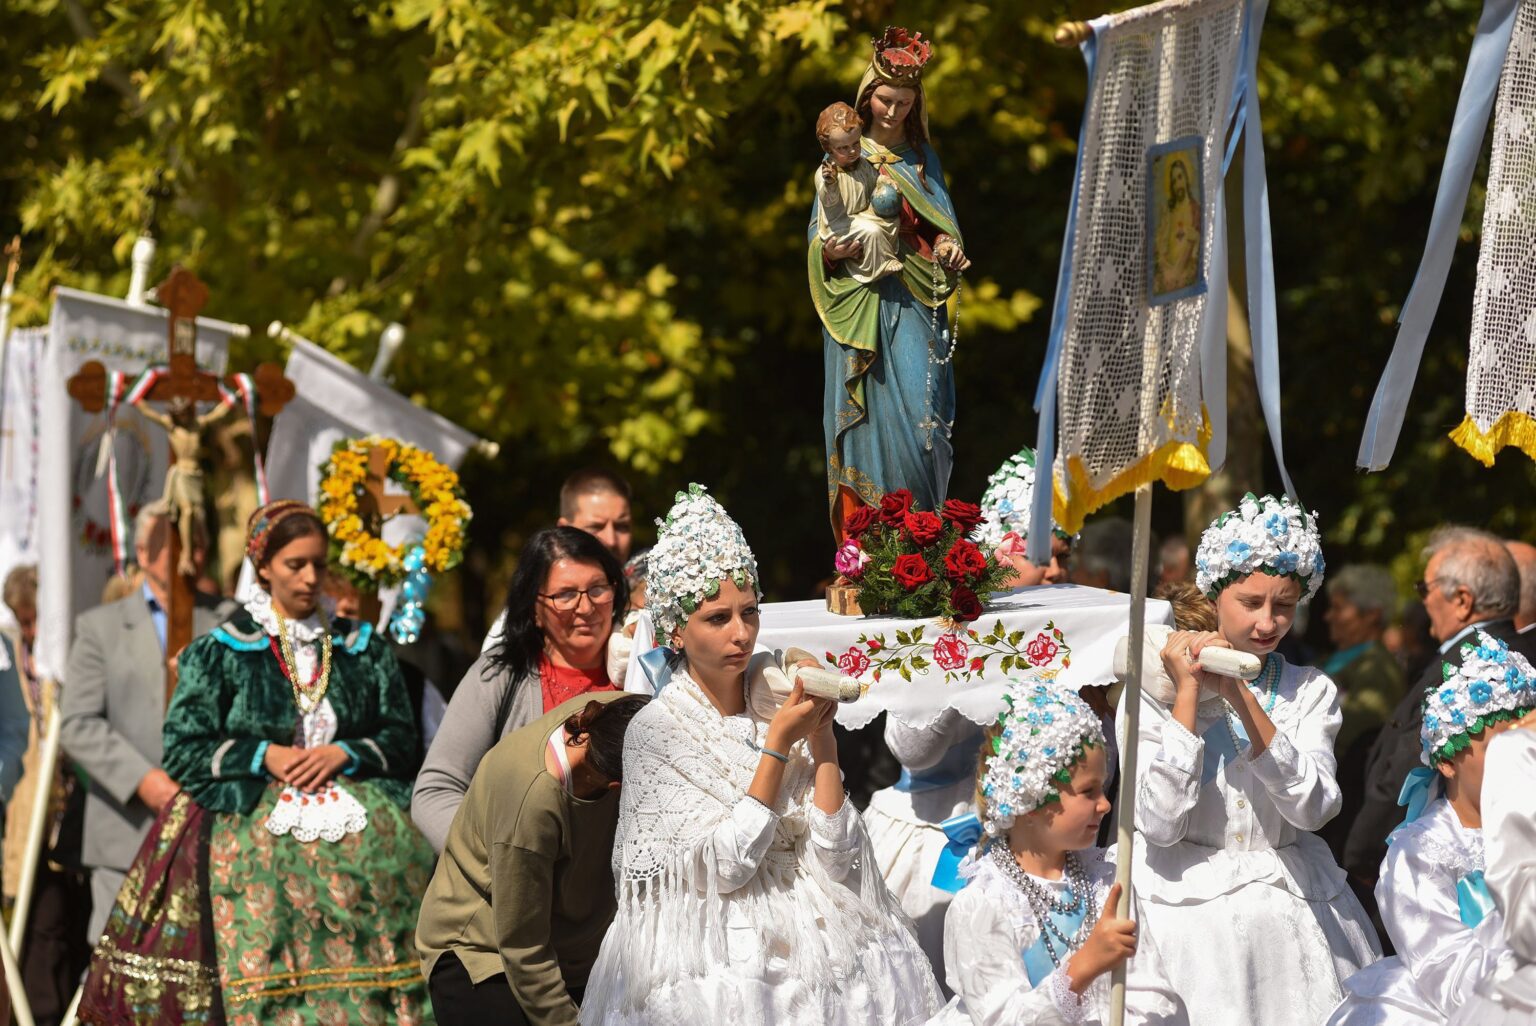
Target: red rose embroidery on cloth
949, 651
853, 662
1041, 651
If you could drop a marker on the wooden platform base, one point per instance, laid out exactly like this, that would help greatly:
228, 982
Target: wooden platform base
843, 599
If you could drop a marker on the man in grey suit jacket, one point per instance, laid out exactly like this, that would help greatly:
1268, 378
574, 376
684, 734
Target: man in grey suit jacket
114, 706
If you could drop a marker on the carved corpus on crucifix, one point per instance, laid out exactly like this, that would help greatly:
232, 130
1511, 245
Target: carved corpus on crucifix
181, 387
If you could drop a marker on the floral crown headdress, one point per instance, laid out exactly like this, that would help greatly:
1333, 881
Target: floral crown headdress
259, 528
1492, 684
900, 56
1005, 504
1263, 535
1045, 729
697, 547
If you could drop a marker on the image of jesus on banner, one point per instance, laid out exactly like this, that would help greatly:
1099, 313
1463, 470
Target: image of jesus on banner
1175, 222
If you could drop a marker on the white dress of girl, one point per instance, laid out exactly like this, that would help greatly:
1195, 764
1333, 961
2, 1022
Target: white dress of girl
1254, 919
1003, 974
1507, 996
1447, 938
735, 913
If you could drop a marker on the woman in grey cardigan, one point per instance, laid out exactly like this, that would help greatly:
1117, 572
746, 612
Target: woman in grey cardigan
566, 599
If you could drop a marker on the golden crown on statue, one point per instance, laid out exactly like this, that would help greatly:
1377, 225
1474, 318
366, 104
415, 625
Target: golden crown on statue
900, 56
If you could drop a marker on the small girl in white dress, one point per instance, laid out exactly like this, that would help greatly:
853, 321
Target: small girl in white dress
1252, 916
1433, 898
1034, 934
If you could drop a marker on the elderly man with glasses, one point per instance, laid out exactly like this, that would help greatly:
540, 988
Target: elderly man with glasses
1470, 581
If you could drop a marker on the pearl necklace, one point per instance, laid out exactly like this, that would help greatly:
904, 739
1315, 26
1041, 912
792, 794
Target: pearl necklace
1270, 675
1041, 904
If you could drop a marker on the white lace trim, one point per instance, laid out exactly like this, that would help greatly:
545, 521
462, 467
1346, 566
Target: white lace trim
683, 909
328, 814
303, 634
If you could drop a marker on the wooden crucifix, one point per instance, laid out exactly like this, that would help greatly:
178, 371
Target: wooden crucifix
375, 506
181, 388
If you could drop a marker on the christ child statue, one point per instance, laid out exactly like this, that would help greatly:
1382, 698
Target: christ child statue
850, 198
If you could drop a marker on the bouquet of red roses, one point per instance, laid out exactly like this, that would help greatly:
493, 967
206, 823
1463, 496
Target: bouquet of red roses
918, 564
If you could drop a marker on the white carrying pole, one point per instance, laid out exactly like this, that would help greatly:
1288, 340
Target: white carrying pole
143, 261
1130, 704
14, 990
37, 824
389, 344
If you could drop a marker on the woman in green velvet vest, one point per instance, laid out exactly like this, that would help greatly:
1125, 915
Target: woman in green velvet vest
288, 869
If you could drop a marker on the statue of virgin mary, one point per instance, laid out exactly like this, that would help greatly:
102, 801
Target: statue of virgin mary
889, 399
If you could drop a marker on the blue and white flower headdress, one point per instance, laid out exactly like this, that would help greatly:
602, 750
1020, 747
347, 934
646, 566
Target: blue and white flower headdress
1491, 684
1005, 503
1044, 731
698, 546
1263, 535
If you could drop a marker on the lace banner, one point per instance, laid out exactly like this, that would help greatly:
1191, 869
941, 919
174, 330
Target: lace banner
1501, 372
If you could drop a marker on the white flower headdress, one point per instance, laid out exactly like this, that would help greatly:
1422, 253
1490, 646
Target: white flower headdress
698, 546
1005, 504
1263, 535
1491, 684
1044, 731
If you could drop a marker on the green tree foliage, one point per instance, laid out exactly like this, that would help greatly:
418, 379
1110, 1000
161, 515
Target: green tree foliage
590, 216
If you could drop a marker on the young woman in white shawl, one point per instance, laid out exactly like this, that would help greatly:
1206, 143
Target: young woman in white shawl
747, 892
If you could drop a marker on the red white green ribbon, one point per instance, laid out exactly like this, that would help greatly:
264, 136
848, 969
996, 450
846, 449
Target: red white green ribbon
119, 392
246, 387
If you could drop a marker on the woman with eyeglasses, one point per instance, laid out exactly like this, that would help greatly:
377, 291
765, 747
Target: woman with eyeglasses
565, 601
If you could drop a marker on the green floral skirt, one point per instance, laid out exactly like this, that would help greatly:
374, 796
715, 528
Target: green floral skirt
319, 932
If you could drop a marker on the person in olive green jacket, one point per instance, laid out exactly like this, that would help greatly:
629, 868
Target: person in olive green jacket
523, 893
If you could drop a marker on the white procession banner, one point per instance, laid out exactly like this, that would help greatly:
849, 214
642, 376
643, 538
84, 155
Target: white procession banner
334, 401
73, 536
18, 451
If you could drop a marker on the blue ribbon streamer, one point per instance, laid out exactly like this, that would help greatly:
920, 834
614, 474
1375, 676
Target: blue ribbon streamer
657, 667
1473, 899
1220, 749
1037, 959
1037, 544
1479, 88
1417, 792
964, 832
1262, 320
959, 763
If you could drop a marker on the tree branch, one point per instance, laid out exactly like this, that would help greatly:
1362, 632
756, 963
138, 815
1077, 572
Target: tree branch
386, 195
111, 72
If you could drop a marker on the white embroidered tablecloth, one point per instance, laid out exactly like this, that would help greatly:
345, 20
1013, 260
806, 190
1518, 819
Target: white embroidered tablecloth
924, 668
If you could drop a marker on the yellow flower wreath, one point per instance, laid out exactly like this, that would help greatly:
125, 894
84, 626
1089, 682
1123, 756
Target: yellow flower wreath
365, 558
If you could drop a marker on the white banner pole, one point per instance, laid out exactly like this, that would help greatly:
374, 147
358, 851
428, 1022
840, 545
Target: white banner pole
37, 825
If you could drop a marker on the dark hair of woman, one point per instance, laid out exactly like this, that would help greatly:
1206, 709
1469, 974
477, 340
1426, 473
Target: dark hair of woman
522, 642
290, 529
604, 724
912, 127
